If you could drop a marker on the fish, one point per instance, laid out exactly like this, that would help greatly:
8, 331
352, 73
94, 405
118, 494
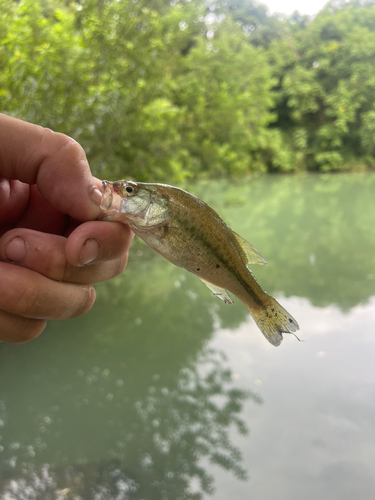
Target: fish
190, 234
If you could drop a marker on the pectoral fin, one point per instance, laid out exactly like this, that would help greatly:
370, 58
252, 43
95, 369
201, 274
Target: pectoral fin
219, 292
252, 256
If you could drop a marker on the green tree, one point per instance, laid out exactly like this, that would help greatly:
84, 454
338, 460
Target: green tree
326, 83
225, 88
132, 81
167, 91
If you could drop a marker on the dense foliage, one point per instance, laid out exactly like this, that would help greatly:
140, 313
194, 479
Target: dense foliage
165, 91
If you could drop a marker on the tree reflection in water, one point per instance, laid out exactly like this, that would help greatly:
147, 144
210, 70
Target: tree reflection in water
161, 453
129, 394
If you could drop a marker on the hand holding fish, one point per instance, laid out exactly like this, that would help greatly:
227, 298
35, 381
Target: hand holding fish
190, 234
51, 247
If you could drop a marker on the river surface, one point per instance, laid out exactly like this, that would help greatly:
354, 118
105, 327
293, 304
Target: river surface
163, 392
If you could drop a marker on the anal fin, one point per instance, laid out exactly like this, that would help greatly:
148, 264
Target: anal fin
219, 292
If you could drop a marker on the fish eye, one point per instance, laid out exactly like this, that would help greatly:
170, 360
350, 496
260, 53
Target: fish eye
129, 189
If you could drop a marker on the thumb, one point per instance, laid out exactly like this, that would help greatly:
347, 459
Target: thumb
54, 162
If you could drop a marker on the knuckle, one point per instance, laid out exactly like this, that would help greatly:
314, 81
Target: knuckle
28, 300
63, 144
105, 270
87, 300
90, 297
57, 267
66, 272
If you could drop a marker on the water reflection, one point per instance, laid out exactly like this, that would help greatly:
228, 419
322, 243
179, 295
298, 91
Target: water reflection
122, 412
156, 442
136, 400
315, 434
316, 232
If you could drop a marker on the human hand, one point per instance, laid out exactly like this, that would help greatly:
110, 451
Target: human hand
51, 247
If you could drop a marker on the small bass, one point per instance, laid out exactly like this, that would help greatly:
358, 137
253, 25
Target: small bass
190, 234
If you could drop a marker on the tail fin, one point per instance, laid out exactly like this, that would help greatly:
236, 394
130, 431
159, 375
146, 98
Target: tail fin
273, 320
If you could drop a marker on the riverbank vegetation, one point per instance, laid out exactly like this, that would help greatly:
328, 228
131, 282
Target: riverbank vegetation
167, 91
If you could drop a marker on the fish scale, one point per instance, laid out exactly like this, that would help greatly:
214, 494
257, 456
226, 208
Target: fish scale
190, 234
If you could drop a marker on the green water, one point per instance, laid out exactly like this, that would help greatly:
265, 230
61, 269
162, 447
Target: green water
164, 392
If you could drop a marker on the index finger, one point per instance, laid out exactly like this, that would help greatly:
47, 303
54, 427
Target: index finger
56, 163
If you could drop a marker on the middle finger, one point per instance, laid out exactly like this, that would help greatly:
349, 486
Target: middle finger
45, 254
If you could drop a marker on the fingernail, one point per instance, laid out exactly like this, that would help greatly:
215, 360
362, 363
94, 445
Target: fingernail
95, 196
89, 252
16, 249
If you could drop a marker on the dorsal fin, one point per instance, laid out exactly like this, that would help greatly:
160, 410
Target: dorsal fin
252, 255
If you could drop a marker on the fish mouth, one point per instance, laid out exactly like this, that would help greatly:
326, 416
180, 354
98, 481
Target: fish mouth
111, 201
107, 196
